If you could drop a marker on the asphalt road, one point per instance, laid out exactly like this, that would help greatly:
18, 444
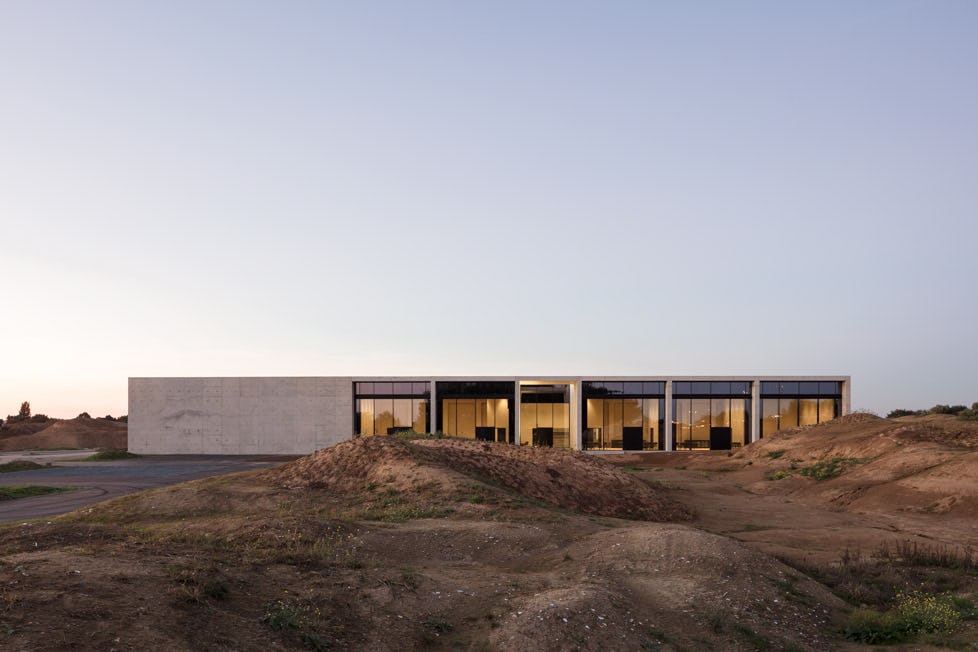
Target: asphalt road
97, 481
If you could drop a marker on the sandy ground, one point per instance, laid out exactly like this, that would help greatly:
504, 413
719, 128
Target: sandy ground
380, 544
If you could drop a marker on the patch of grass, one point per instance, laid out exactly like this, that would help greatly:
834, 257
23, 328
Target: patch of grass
21, 465
828, 469
109, 454
438, 625
915, 613
779, 475
775, 454
633, 468
29, 491
285, 615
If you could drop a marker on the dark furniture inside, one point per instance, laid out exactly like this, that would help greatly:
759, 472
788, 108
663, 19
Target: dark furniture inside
631, 438
543, 437
485, 433
720, 438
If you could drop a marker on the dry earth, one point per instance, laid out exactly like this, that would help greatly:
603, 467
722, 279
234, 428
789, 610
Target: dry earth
384, 544
64, 433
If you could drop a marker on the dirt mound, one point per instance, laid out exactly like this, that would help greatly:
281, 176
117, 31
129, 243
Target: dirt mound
564, 478
866, 462
67, 433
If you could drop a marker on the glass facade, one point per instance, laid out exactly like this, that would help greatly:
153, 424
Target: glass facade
383, 408
476, 410
789, 404
622, 415
545, 416
711, 415
626, 415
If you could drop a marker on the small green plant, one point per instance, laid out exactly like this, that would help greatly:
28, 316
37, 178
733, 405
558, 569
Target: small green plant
779, 475
285, 615
29, 491
216, 589
633, 468
109, 454
827, 469
915, 613
775, 454
438, 625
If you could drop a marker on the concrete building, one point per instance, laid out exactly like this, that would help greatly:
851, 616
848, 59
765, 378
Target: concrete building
599, 414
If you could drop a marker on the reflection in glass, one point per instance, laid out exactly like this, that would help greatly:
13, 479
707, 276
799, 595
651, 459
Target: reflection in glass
770, 417
826, 409
807, 411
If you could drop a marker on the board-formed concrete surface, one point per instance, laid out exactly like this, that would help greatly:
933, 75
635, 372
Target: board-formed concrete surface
93, 482
239, 416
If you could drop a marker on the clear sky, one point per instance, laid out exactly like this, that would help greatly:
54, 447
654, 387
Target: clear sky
332, 188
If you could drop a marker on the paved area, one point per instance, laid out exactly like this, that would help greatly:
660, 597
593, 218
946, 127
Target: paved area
96, 481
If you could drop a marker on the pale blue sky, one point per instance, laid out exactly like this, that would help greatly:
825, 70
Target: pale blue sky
313, 188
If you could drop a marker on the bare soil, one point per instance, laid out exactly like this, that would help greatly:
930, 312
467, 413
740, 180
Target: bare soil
382, 544
64, 433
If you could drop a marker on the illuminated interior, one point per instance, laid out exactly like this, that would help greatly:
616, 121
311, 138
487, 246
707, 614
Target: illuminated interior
711, 415
791, 404
476, 418
386, 408
545, 415
621, 415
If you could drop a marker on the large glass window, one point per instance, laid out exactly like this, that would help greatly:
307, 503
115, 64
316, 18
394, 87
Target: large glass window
385, 408
623, 415
788, 404
545, 416
711, 415
476, 409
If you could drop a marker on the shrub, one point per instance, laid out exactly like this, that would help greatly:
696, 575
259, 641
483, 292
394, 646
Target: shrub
915, 613
900, 412
84, 415
108, 454
828, 469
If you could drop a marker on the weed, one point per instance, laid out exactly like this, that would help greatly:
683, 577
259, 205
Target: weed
779, 475
632, 468
915, 613
285, 615
438, 625
28, 491
775, 454
109, 454
216, 589
827, 469
21, 465
314, 641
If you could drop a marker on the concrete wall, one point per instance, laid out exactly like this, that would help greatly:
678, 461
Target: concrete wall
239, 415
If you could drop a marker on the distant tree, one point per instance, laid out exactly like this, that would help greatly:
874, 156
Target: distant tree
948, 409
900, 412
123, 419
25, 410
84, 415
109, 417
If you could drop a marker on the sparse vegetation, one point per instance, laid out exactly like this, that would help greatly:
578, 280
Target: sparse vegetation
827, 469
28, 491
779, 475
775, 454
109, 454
21, 465
915, 613
961, 411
